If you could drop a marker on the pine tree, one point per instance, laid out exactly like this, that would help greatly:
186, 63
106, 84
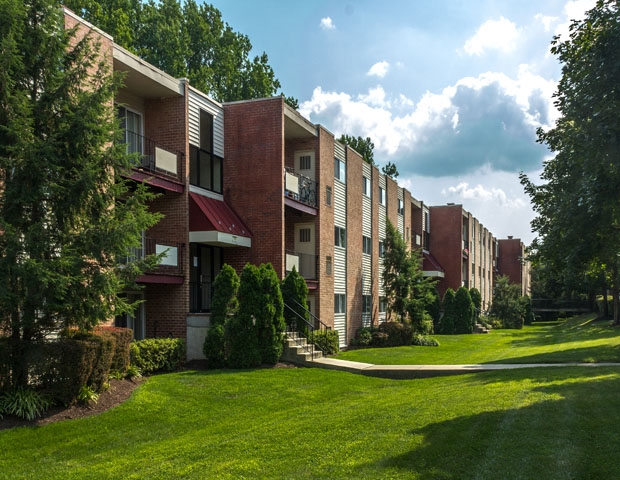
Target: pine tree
66, 211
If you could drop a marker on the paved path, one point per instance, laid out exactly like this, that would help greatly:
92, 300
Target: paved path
426, 371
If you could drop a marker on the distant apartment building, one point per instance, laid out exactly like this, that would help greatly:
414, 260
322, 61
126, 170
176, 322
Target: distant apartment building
513, 263
465, 249
254, 181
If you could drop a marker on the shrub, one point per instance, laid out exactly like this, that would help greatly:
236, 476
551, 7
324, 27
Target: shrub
214, 346
123, 338
463, 312
325, 340
225, 289
104, 344
379, 339
364, 336
157, 354
434, 308
24, 403
133, 372
87, 394
270, 323
422, 341
397, 333
446, 324
295, 295
476, 298
241, 340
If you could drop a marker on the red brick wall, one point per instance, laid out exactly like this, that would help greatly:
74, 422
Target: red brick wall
254, 174
392, 201
446, 243
325, 226
511, 252
354, 242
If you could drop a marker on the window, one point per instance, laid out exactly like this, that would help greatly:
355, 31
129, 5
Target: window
382, 196
381, 249
328, 196
339, 170
304, 234
205, 169
131, 124
401, 207
340, 304
340, 237
305, 162
328, 265
367, 245
382, 305
366, 303
366, 186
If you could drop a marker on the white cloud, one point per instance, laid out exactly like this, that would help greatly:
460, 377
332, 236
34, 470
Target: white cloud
327, 24
546, 21
487, 120
379, 69
499, 35
495, 195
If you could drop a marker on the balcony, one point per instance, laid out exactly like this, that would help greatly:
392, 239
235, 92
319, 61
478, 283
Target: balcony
304, 263
301, 191
156, 166
170, 268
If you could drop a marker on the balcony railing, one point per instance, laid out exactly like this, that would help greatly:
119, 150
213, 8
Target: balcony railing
171, 262
154, 159
300, 188
304, 263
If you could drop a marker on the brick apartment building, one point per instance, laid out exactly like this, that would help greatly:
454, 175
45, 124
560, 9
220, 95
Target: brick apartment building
513, 263
254, 181
466, 250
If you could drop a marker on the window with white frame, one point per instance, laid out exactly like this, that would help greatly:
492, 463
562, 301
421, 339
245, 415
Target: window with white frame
366, 245
366, 303
339, 170
340, 237
382, 196
382, 305
381, 249
401, 207
131, 125
366, 186
340, 303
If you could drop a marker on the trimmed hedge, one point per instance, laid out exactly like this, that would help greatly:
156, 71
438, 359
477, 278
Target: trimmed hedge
325, 340
123, 338
157, 354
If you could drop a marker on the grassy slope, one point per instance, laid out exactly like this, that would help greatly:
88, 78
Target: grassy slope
310, 423
579, 339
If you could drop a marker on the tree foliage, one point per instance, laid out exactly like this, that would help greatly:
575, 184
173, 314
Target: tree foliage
408, 292
507, 305
186, 39
464, 309
364, 146
577, 206
295, 295
390, 170
67, 213
448, 320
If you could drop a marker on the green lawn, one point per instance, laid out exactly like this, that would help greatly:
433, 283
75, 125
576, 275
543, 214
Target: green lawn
310, 423
580, 339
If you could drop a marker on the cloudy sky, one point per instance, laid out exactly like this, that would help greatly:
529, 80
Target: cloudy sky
451, 91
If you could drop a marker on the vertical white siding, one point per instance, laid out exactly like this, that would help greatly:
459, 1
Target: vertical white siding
401, 218
339, 151
197, 102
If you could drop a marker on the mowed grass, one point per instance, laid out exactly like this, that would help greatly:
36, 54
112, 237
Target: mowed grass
578, 339
551, 423
309, 423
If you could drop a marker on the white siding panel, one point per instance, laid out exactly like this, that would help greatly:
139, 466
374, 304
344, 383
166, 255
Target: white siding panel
366, 216
340, 325
340, 204
382, 216
199, 102
339, 151
366, 275
340, 270
380, 278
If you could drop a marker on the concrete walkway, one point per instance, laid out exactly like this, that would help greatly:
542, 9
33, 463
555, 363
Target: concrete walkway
426, 371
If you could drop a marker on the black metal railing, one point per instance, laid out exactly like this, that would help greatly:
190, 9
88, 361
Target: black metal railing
307, 264
147, 150
303, 189
200, 296
304, 328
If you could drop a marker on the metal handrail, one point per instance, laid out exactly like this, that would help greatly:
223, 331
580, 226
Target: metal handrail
299, 333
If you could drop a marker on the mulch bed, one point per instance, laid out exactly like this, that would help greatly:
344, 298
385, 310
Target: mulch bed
119, 391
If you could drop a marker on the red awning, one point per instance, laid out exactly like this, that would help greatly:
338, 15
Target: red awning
209, 214
430, 263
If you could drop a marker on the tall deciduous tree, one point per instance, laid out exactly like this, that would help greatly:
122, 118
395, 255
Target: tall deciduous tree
66, 211
408, 292
186, 39
364, 146
578, 205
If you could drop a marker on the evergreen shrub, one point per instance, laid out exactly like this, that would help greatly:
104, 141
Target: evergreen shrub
123, 338
326, 341
157, 354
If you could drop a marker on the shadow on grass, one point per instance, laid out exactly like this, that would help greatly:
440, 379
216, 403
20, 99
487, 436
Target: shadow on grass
565, 432
595, 354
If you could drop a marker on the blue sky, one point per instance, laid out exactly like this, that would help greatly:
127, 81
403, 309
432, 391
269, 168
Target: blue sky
451, 91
